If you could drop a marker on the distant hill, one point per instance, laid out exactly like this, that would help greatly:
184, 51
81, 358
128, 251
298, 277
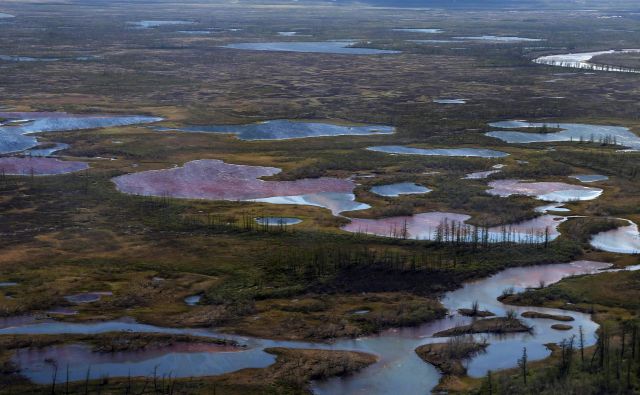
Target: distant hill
452, 3
487, 4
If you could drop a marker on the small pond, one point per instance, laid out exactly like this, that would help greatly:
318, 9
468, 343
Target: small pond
590, 177
278, 221
401, 188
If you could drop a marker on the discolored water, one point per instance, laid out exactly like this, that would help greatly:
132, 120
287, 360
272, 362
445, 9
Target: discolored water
548, 191
217, 180
398, 370
38, 166
624, 240
435, 225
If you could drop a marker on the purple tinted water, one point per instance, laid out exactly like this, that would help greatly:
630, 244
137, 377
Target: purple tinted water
398, 370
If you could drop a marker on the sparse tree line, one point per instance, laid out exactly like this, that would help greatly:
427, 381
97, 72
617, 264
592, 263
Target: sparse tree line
612, 366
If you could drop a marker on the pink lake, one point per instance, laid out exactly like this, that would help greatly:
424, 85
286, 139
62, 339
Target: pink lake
430, 226
38, 166
547, 191
217, 180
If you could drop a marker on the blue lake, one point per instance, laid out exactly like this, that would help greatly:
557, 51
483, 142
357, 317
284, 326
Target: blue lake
283, 129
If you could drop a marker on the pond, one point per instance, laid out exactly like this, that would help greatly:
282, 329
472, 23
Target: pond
401, 188
499, 39
86, 297
193, 300
590, 177
16, 137
342, 47
480, 175
38, 166
432, 41
154, 24
438, 225
464, 152
576, 132
217, 180
283, 129
195, 32
398, 370
450, 101
582, 60
19, 58
624, 240
278, 221
548, 191
423, 31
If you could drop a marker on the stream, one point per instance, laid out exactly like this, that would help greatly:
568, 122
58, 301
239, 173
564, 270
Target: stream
398, 370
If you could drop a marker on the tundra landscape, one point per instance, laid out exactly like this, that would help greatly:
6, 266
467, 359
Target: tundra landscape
295, 197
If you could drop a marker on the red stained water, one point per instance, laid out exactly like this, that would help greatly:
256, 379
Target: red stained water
419, 226
216, 180
426, 226
24, 166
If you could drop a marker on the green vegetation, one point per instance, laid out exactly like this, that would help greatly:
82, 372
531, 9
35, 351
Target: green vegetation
75, 233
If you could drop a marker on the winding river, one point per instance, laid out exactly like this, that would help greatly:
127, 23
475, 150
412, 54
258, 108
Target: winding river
398, 370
